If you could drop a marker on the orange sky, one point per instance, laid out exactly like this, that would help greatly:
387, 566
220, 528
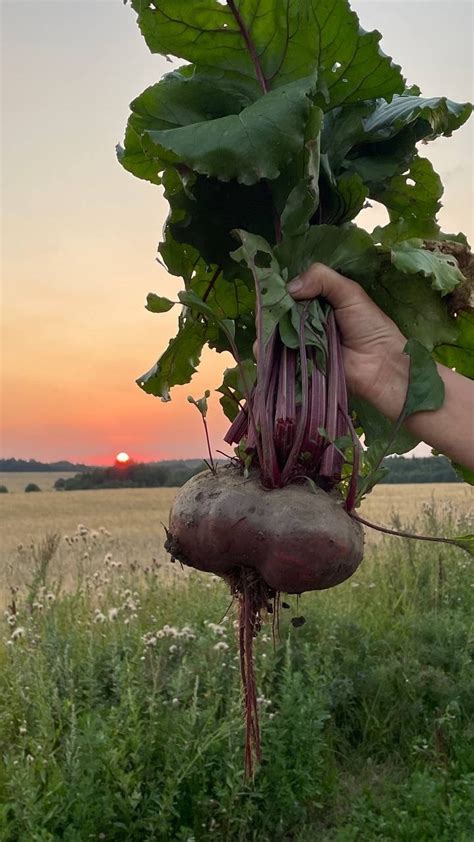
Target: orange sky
80, 234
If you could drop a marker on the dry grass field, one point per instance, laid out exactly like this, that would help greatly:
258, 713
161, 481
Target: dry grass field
134, 517
16, 481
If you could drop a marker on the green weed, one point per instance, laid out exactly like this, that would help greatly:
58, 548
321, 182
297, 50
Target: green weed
120, 709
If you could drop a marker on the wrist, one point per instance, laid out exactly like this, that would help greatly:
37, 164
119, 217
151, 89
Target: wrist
387, 389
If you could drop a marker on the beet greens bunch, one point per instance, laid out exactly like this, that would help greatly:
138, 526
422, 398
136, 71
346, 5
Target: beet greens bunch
286, 120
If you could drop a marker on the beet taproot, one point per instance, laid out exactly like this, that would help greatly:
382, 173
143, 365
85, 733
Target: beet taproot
298, 538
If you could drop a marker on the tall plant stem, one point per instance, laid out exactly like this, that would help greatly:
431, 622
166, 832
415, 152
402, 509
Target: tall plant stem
263, 82
211, 460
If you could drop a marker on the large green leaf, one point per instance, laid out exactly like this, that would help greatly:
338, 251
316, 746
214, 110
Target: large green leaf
178, 363
204, 215
342, 198
459, 353
425, 387
301, 200
179, 99
272, 42
235, 140
412, 200
348, 249
378, 142
433, 117
378, 429
425, 392
414, 306
234, 385
254, 144
259, 257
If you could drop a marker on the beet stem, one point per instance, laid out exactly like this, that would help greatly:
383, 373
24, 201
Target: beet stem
298, 440
400, 534
331, 462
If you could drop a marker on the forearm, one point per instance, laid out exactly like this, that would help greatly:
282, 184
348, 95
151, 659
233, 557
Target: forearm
449, 429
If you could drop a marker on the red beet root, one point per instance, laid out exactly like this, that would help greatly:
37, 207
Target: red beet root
261, 541
296, 538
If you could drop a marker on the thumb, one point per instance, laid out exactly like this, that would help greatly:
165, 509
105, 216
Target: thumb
321, 280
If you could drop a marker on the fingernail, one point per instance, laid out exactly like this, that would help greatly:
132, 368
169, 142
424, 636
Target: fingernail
295, 285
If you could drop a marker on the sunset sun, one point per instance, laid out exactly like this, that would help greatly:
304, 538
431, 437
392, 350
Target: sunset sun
122, 457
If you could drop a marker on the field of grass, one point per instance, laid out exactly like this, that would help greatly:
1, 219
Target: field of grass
16, 481
134, 516
120, 708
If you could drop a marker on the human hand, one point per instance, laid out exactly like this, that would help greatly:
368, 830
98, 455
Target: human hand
370, 341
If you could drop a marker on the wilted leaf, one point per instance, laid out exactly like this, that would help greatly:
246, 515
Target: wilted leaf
441, 269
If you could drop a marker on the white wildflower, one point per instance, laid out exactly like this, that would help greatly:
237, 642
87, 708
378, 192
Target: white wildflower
99, 617
113, 613
11, 619
173, 648
221, 646
216, 628
50, 597
22, 730
18, 632
30, 758
175, 702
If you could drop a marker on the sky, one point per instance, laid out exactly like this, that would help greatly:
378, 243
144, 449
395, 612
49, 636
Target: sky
79, 234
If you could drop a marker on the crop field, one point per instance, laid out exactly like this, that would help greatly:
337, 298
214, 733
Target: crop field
134, 516
16, 481
123, 719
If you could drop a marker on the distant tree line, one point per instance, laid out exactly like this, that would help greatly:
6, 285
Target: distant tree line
429, 469
31, 465
133, 475
173, 474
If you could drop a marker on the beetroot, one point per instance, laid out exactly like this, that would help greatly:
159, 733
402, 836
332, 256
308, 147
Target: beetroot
296, 537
